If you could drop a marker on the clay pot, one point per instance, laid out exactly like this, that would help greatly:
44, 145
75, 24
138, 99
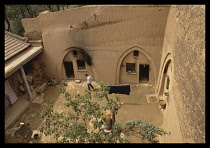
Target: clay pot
108, 124
162, 104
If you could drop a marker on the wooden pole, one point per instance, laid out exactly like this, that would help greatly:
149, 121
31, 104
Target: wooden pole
113, 113
26, 83
107, 99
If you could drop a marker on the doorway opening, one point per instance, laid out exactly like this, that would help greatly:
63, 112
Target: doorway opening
143, 73
165, 82
69, 69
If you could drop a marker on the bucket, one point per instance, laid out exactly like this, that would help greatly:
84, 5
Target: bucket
162, 104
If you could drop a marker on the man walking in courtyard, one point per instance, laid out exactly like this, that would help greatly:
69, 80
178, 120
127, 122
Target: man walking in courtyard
89, 81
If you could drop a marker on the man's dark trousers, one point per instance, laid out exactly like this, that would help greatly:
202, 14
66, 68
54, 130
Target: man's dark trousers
90, 85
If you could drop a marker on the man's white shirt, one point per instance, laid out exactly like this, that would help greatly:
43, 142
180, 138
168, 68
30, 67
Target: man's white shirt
89, 79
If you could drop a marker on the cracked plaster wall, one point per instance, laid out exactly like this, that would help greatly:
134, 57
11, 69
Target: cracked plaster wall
104, 32
185, 41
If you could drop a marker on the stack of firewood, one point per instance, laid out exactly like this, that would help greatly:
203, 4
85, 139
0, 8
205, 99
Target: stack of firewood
35, 75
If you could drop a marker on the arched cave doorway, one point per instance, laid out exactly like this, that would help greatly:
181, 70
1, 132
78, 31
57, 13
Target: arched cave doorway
135, 66
76, 63
166, 77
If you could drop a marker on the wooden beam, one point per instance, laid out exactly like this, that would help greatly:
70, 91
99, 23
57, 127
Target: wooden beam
26, 83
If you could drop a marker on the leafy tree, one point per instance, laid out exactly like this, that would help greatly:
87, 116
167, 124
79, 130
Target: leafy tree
7, 23
14, 14
86, 120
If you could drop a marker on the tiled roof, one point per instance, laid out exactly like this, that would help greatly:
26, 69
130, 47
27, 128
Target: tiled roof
14, 44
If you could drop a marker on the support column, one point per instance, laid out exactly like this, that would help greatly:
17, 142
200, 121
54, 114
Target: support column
26, 83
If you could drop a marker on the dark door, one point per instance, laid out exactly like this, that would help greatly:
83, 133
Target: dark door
143, 73
69, 69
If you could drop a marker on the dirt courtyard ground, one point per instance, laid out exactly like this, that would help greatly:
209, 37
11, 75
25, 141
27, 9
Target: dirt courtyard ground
135, 106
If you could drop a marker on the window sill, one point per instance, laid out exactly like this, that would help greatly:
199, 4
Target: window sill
82, 70
131, 73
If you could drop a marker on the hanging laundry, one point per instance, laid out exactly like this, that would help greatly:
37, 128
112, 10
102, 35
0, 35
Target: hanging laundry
7, 101
122, 89
9, 91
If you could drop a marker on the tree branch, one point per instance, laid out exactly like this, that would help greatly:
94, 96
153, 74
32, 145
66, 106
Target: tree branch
8, 23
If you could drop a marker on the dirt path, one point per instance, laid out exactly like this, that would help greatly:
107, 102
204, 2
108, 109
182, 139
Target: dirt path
135, 107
